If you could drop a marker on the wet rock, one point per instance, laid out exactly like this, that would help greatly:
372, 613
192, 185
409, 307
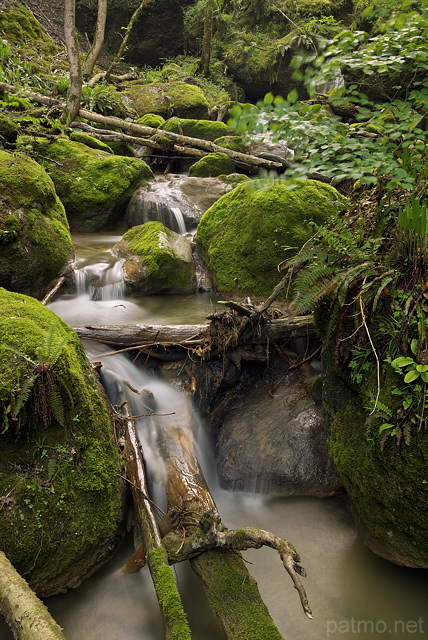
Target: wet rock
276, 443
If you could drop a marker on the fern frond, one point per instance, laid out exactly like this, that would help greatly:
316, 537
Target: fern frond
52, 347
55, 402
23, 395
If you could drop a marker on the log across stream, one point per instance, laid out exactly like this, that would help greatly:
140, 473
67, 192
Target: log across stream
351, 591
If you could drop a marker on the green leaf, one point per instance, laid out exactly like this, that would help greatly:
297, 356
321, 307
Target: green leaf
385, 426
411, 375
402, 361
421, 367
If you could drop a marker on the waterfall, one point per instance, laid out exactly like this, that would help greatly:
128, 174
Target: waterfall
102, 281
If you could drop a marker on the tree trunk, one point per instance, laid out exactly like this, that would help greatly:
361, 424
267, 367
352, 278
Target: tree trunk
98, 41
206, 43
75, 91
25, 614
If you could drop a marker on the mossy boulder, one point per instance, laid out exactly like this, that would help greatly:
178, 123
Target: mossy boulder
19, 26
151, 120
59, 463
212, 165
234, 143
387, 484
8, 130
203, 129
168, 99
248, 232
35, 242
156, 259
95, 186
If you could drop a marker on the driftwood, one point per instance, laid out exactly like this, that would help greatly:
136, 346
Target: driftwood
25, 614
189, 336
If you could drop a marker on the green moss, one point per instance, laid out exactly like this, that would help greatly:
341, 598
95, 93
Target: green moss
35, 243
248, 232
90, 141
167, 593
167, 99
164, 268
203, 129
94, 186
18, 26
8, 130
233, 594
212, 165
151, 120
61, 477
234, 179
235, 143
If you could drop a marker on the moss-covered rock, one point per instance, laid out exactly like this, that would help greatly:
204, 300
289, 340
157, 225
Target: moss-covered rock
19, 26
35, 242
157, 260
59, 463
94, 186
151, 120
387, 485
8, 130
234, 143
168, 99
90, 141
248, 232
212, 165
203, 129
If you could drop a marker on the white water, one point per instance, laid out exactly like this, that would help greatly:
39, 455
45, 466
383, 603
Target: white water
353, 593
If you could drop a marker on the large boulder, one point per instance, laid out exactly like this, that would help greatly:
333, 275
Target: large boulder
61, 494
212, 165
168, 99
203, 129
95, 186
248, 232
276, 442
156, 260
35, 242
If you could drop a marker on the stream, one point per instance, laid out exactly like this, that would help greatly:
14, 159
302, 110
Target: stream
353, 593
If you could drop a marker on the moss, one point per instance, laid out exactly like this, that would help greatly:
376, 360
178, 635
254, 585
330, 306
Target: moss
61, 478
167, 593
164, 268
94, 186
167, 99
151, 120
90, 141
212, 165
248, 232
233, 595
235, 143
8, 130
35, 243
18, 26
234, 179
203, 129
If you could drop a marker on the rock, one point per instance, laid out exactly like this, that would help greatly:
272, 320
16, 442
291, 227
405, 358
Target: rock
151, 120
203, 129
90, 141
175, 200
212, 165
248, 232
95, 186
8, 130
168, 99
61, 495
276, 443
35, 242
156, 260
234, 143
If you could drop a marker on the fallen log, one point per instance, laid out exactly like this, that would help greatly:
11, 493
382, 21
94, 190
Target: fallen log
25, 614
189, 336
174, 617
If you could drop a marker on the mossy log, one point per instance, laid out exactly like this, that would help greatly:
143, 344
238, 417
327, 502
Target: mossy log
25, 614
174, 617
213, 550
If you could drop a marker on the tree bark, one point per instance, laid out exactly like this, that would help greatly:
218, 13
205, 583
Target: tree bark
98, 41
25, 614
75, 91
206, 42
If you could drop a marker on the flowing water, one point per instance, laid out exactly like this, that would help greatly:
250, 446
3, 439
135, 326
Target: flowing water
353, 593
